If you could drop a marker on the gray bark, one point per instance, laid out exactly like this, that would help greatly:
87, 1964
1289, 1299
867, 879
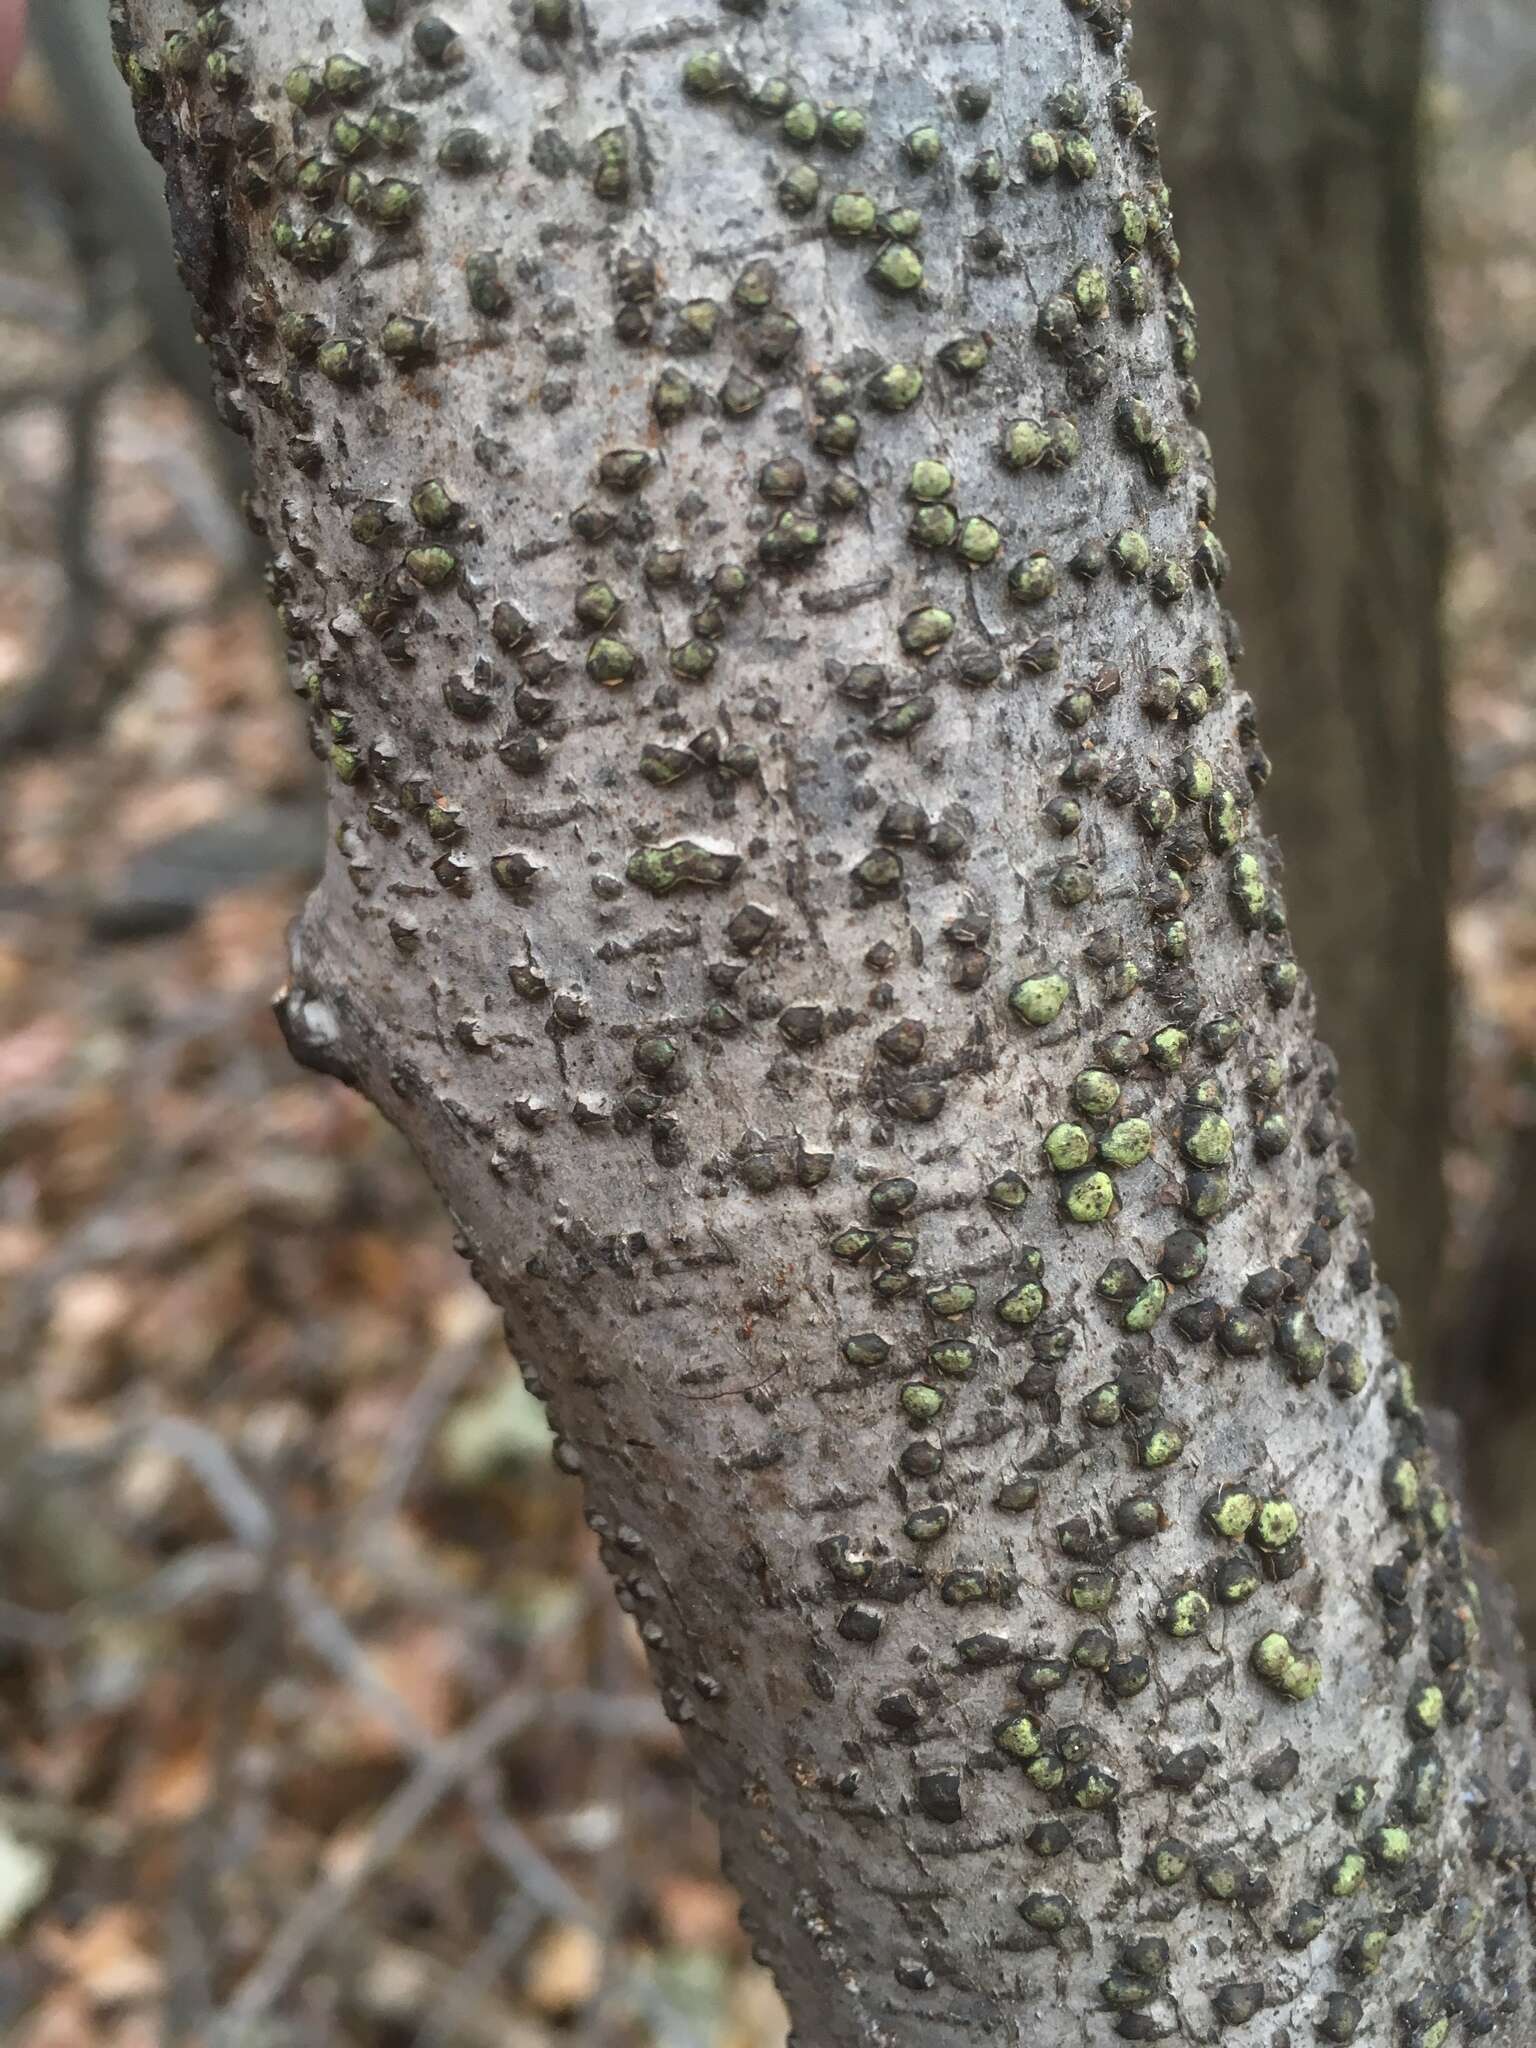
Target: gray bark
1293, 144
842, 996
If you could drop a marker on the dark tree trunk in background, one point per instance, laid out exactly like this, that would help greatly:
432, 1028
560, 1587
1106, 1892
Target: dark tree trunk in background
796, 879
1291, 142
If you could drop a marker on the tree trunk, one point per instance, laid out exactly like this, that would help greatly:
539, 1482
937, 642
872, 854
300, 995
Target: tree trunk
795, 879
1292, 145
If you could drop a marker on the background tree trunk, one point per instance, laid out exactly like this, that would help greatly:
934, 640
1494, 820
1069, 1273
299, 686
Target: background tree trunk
795, 880
1291, 141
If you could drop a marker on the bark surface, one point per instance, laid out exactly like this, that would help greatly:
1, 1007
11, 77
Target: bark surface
1293, 144
749, 561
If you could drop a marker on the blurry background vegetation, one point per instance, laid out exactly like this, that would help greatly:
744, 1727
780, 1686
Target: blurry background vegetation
318, 1723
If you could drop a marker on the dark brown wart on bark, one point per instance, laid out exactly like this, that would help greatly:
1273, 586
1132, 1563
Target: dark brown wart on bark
1292, 142
748, 553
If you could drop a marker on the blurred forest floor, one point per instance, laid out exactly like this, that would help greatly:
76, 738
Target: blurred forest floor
315, 1711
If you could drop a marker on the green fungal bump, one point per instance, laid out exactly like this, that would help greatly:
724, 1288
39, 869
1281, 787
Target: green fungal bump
611, 661
1389, 1848
1128, 222
1025, 444
304, 87
1092, 1789
609, 160
1296, 1674
1022, 1304
391, 202
408, 341
851, 214
1131, 553
661, 869
1091, 1592
895, 388
319, 248
1230, 1512
1102, 1407
708, 73
1247, 891
921, 1402
1032, 580
1088, 1197
1020, 1736
693, 660
1160, 1443
1426, 1710
800, 189
342, 361
924, 147
1184, 1614
1400, 1484
1042, 154
986, 173
1079, 158
1068, 1146
1168, 1047
954, 1358
867, 1349
904, 222
930, 480
1234, 1581
897, 269
596, 605
966, 355
1095, 1092
978, 541
433, 505
1038, 1000
1206, 1139
801, 123
1168, 1862
925, 631
952, 1298
1354, 1797
934, 526
1366, 1949
1046, 1912
432, 567
1047, 1774
1347, 1371
1090, 292
1066, 442
671, 396
1127, 1143
344, 78
1148, 1305
929, 1524
1276, 1525
488, 293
